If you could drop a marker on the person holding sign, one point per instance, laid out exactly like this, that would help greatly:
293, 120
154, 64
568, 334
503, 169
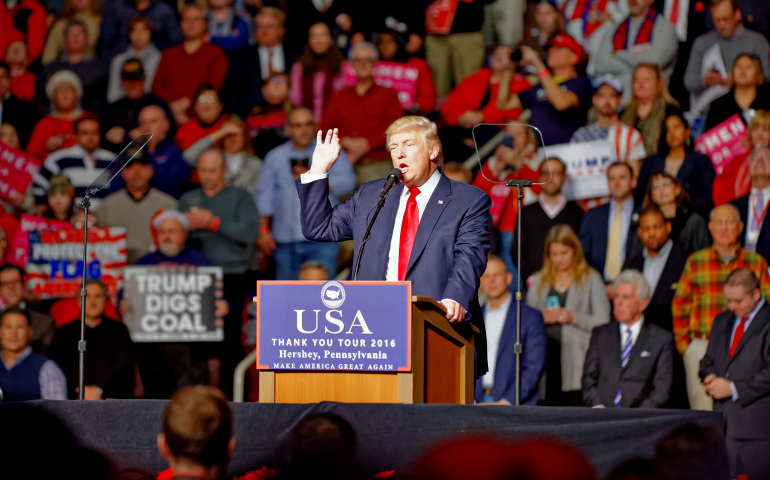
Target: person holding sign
448, 269
746, 95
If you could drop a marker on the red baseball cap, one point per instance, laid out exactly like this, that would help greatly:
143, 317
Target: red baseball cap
565, 41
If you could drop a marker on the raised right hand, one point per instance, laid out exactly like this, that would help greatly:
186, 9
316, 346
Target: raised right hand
325, 153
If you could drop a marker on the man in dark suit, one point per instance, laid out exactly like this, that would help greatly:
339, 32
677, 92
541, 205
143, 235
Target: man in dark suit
252, 66
607, 231
629, 362
736, 374
661, 262
432, 231
22, 115
753, 205
552, 208
498, 386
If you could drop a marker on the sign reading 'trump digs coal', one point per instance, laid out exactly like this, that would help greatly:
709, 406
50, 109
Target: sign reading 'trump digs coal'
173, 303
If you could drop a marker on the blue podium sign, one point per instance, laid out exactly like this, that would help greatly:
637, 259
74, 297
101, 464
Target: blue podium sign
334, 326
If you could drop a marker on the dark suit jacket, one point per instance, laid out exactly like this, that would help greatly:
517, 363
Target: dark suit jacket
533, 341
22, 115
659, 310
647, 379
750, 370
450, 249
243, 84
763, 243
696, 175
593, 235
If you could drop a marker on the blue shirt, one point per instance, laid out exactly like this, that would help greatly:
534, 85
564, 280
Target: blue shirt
171, 171
277, 195
558, 127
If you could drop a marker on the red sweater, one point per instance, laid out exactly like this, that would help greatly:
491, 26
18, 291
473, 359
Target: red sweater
23, 86
46, 128
191, 131
470, 93
367, 116
30, 15
504, 209
425, 94
180, 74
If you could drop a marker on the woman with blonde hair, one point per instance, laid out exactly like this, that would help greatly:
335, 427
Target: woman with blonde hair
747, 95
89, 12
646, 111
573, 300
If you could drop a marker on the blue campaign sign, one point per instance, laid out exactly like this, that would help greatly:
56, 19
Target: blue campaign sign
342, 326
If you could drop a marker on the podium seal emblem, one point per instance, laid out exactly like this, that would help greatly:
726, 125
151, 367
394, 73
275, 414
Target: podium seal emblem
333, 294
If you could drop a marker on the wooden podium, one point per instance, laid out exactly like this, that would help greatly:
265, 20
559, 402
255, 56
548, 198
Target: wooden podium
442, 370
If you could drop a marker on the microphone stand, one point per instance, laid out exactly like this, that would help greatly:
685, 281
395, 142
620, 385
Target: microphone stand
86, 204
367, 235
517, 347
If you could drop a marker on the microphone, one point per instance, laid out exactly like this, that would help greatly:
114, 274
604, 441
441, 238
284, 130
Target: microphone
393, 178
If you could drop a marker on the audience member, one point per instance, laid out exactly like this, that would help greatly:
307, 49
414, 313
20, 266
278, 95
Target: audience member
184, 68
9, 136
699, 297
676, 157
114, 39
312, 271
143, 56
454, 44
391, 46
26, 375
172, 228
527, 141
362, 112
22, 80
77, 59
747, 93
265, 122
638, 383
280, 233
208, 117
82, 163
134, 206
171, 172
734, 182
552, 208
650, 101
733, 371
254, 66
753, 205
475, 100
23, 20
661, 262
88, 12
732, 39
342, 17
560, 103
456, 171
498, 385
644, 37
109, 365
243, 168
588, 21
549, 22
628, 142
571, 296
120, 122
229, 28
607, 231
198, 438
692, 452
688, 228
22, 115
318, 72
59, 199
13, 292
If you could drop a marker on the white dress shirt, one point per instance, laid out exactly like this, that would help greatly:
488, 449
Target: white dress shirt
752, 234
277, 60
653, 266
552, 210
494, 321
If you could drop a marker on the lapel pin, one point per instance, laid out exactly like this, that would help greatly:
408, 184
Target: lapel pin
440, 202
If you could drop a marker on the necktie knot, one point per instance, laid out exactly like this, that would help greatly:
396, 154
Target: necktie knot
414, 191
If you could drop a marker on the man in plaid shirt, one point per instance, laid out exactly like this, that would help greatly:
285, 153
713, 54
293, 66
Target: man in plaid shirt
700, 297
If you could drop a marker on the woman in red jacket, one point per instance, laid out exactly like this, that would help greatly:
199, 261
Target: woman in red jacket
392, 48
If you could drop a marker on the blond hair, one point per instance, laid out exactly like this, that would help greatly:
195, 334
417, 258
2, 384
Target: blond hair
274, 12
563, 235
760, 120
416, 122
663, 91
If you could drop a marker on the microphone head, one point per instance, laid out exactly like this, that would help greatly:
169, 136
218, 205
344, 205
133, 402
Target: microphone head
396, 172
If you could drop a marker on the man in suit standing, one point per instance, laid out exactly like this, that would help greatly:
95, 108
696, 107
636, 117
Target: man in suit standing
607, 231
552, 208
736, 374
425, 208
753, 205
498, 386
629, 363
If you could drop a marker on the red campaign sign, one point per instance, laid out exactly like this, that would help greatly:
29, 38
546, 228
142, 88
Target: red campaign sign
30, 223
16, 172
723, 143
399, 76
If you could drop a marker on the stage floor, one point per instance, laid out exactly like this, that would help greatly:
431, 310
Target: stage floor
390, 436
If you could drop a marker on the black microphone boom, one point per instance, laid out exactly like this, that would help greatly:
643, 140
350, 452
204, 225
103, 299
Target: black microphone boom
393, 178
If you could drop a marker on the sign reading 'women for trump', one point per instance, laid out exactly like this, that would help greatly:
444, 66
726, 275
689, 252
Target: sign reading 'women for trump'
344, 326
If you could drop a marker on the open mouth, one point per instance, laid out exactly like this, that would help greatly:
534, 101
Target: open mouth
404, 168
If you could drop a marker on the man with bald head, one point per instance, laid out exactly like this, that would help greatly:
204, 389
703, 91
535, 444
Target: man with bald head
170, 169
224, 221
753, 205
700, 297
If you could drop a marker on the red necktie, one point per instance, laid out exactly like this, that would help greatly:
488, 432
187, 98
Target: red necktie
409, 226
269, 62
738, 335
674, 13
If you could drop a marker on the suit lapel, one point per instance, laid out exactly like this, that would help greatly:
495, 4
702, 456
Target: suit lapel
664, 282
757, 324
615, 350
743, 207
430, 216
382, 230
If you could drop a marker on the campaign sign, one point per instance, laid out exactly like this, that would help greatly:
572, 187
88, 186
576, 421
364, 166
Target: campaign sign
29, 223
723, 143
587, 164
16, 172
401, 77
55, 264
335, 326
173, 303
